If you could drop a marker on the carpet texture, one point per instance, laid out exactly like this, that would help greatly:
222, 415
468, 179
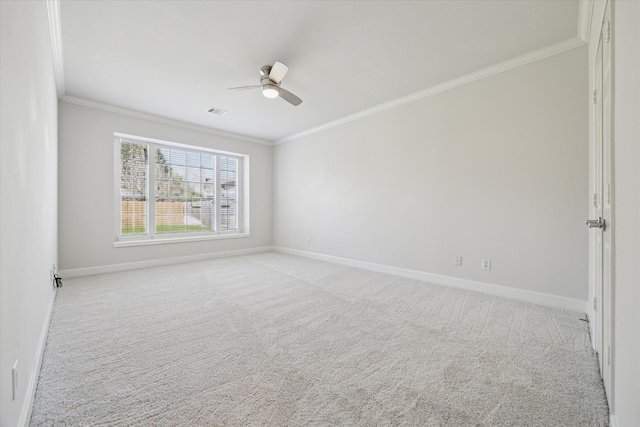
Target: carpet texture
278, 340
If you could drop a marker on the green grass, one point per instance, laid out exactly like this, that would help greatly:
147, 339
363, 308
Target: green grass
178, 228
166, 228
133, 230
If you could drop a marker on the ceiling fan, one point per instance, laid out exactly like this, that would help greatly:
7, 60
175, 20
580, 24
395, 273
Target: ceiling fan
270, 83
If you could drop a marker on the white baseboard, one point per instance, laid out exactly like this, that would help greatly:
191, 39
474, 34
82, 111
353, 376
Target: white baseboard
112, 268
612, 421
25, 414
437, 279
472, 285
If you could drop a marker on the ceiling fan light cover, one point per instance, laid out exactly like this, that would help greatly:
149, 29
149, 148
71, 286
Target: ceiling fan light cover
270, 91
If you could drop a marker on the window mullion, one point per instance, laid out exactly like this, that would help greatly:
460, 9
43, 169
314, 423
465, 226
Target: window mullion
151, 191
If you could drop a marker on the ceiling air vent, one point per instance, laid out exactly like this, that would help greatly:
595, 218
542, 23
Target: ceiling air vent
216, 111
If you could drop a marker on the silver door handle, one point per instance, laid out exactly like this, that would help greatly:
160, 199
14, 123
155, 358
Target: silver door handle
595, 223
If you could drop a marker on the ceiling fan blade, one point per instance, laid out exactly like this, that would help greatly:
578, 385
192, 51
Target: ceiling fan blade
289, 97
245, 87
278, 71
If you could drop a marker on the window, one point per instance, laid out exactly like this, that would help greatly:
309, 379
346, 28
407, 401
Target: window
168, 191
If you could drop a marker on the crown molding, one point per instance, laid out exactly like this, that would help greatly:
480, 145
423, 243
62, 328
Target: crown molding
585, 12
159, 119
519, 61
55, 30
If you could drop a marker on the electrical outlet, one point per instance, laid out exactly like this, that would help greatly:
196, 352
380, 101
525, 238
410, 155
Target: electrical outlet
14, 380
197, 248
308, 241
458, 261
486, 264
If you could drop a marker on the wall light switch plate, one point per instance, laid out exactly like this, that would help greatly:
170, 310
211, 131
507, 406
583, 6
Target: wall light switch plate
486, 264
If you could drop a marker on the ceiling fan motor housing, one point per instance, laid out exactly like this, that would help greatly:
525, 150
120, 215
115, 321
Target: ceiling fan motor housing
264, 81
266, 70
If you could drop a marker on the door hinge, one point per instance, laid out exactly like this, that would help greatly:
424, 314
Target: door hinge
595, 303
608, 194
608, 355
595, 96
608, 32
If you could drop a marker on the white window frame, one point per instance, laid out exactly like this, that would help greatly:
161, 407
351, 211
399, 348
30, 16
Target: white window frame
151, 238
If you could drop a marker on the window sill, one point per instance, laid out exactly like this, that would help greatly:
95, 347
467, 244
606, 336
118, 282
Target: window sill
181, 239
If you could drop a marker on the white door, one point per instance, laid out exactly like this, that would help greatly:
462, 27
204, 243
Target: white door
597, 204
602, 203
607, 194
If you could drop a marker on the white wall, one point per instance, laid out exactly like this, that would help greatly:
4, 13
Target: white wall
494, 169
626, 246
86, 188
29, 198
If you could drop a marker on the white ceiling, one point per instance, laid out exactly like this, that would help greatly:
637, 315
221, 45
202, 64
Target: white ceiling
176, 58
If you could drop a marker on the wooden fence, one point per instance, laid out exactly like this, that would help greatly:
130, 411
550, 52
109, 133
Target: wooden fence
167, 213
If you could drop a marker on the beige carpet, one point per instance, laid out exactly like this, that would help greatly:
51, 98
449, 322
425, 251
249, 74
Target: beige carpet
277, 340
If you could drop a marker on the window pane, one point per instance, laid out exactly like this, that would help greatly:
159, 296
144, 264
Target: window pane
195, 190
127, 224
162, 155
140, 186
126, 150
127, 208
206, 214
139, 229
162, 171
126, 186
141, 207
185, 188
163, 222
178, 157
192, 174
193, 159
140, 152
208, 161
139, 169
208, 191
178, 228
206, 175
162, 209
126, 167
228, 215
177, 172
176, 189
133, 188
162, 189
228, 196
